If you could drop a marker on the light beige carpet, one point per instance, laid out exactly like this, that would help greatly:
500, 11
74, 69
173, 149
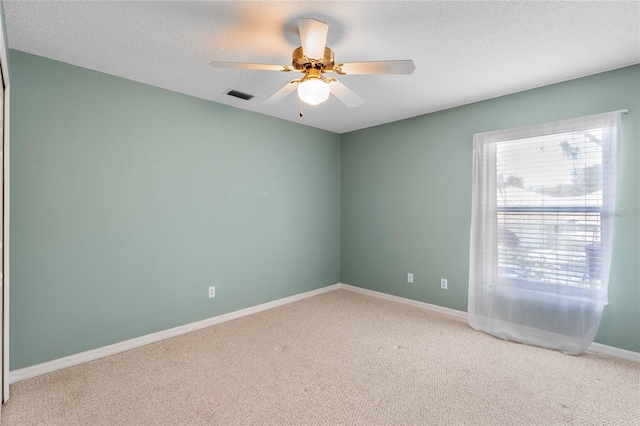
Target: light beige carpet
340, 358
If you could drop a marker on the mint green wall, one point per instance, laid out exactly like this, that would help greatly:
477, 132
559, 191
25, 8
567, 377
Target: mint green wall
128, 201
406, 196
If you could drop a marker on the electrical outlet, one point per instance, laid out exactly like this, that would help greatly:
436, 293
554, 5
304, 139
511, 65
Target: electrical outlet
443, 283
410, 278
212, 292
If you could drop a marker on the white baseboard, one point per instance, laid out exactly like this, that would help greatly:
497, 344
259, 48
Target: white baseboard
594, 347
615, 352
69, 361
415, 303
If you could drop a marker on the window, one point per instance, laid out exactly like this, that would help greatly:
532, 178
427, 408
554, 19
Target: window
550, 202
542, 230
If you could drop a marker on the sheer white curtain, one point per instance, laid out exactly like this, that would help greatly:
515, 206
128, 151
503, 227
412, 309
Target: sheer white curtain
541, 230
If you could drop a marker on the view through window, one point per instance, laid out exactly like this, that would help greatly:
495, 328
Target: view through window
549, 193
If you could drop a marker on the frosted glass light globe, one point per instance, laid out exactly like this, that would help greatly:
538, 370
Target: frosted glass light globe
313, 91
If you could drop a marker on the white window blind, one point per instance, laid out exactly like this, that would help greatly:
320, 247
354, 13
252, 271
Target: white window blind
550, 202
542, 227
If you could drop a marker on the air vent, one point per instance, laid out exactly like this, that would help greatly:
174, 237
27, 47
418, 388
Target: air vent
240, 95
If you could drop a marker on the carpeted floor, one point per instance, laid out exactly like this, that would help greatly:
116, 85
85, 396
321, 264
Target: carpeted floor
340, 358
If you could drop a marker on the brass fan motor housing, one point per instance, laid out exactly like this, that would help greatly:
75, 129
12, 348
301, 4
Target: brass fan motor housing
301, 62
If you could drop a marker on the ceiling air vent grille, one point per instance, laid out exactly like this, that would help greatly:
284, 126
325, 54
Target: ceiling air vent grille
240, 95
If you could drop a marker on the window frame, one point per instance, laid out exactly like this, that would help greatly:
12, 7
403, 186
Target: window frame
605, 227
538, 285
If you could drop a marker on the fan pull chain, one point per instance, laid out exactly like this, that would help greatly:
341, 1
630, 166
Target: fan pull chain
301, 114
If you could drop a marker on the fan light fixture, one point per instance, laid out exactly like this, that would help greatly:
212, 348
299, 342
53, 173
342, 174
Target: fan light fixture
314, 59
313, 91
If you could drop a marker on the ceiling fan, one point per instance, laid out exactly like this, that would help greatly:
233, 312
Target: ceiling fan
314, 59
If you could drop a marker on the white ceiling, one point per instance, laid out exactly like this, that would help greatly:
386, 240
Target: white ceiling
463, 51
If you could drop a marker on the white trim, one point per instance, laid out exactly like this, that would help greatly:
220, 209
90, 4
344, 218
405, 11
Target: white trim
4, 69
415, 303
69, 361
5, 244
599, 348
594, 347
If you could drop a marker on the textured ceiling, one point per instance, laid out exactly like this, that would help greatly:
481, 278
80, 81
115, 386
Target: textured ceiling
463, 51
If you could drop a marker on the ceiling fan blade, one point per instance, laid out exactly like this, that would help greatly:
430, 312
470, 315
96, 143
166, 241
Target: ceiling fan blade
379, 67
246, 65
314, 37
281, 94
345, 94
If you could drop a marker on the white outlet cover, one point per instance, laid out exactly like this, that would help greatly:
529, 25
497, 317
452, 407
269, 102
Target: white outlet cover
443, 283
212, 292
410, 277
